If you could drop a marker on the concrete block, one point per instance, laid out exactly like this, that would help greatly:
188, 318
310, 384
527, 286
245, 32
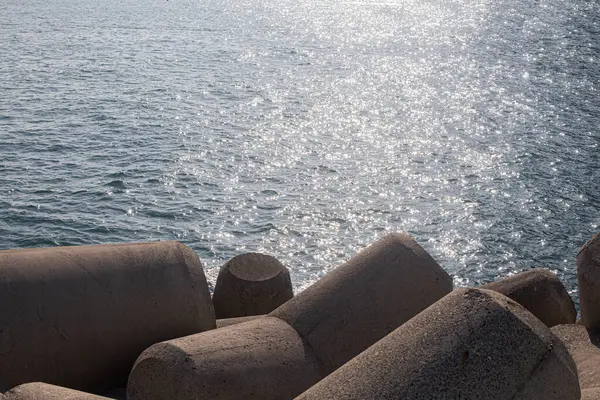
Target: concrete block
588, 276
366, 298
251, 284
472, 344
260, 359
583, 345
80, 316
45, 391
222, 323
540, 292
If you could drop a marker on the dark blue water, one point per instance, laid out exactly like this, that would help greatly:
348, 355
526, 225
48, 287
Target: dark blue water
304, 129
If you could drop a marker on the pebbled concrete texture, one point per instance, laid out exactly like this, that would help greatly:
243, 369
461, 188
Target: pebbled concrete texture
261, 359
588, 276
45, 391
366, 298
590, 394
540, 292
583, 345
222, 323
251, 284
80, 316
472, 344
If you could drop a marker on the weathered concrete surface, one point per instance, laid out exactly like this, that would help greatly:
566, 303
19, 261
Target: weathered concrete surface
45, 391
588, 276
261, 359
251, 284
583, 345
540, 292
80, 316
366, 298
590, 394
222, 323
472, 344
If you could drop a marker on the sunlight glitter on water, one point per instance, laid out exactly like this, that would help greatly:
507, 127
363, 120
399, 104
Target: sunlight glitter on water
304, 129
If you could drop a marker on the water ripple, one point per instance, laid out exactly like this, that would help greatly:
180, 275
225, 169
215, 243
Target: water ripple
304, 129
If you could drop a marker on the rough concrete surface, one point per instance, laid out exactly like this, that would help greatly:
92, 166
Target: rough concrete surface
583, 345
472, 344
366, 298
590, 394
540, 292
260, 359
45, 391
80, 316
588, 276
251, 284
222, 323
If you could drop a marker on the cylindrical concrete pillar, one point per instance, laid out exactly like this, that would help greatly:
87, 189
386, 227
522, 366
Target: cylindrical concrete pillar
588, 275
472, 344
260, 359
540, 292
251, 284
45, 391
364, 299
80, 316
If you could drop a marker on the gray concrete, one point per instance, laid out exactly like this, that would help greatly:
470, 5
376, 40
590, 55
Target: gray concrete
540, 292
366, 298
251, 284
222, 323
260, 359
588, 275
472, 344
583, 347
80, 316
45, 391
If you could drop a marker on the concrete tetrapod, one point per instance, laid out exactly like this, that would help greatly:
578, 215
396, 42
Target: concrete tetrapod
80, 316
259, 359
472, 344
45, 391
251, 284
348, 310
540, 292
366, 298
588, 276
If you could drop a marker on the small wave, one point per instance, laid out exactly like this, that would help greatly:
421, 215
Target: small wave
119, 174
117, 184
268, 207
160, 214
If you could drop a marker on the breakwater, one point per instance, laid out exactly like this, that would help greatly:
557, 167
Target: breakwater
136, 321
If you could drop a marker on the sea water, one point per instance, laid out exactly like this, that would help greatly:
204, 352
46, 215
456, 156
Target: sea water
304, 129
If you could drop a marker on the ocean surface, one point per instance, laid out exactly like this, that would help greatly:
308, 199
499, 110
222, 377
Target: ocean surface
305, 129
